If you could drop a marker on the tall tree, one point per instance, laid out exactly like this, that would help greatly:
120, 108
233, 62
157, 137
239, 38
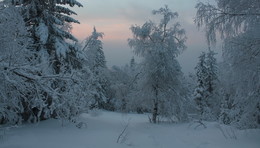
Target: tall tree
212, 71
13, 42
54, 61
159, 45
237, 22
241, 81
94, 51
201, 94
205, 91
97, 63
45, 20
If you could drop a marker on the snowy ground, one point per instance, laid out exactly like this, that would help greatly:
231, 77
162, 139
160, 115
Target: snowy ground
102, 131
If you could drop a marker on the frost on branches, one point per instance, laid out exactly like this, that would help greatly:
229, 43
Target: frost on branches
205, 95
242, 62
97, 64
45, 21
237, 21
200, 94
228, 17
12, 63
41, 73
161, 77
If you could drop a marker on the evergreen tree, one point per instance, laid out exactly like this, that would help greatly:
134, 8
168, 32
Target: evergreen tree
94, 51
54, 62
212, 71
45, 20
200, 94
205, 92
97, 63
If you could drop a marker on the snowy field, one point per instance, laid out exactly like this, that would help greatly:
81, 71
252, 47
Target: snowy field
103, 131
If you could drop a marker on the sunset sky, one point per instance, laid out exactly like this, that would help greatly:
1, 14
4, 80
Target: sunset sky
114, 18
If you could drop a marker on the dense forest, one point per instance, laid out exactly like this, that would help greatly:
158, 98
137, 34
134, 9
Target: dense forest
45, 72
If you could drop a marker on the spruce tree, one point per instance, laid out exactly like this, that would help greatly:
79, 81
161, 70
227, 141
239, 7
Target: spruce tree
200, 94
212, 71
206, 89
45, 20
97, 63
55, 59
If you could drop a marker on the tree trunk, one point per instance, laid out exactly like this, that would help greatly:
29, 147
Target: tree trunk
155, 112
155, 108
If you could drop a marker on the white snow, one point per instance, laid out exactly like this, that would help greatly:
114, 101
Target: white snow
42, 32
61, 48
103, 129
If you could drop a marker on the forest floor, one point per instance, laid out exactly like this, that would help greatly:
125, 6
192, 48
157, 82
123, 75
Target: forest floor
106, 130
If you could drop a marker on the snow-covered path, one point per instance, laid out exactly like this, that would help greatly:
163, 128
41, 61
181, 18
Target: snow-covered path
102, 131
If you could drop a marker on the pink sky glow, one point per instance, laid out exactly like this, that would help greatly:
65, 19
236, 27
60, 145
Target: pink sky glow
115, 17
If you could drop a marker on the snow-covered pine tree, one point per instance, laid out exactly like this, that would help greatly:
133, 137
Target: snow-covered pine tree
201, 93
55, 60
212, 71
45, 20
94, 51
205, 94
160, 83
96, 60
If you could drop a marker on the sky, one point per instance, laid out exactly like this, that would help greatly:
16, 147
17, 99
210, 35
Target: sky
115, 17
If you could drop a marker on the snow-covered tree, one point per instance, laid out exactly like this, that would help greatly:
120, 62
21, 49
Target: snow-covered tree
237, 21
93, 49
242, 61
212, 71
13, 42
44, 74
45, 21
201, 94
160, 81
212, 83
205, 94
228, 17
